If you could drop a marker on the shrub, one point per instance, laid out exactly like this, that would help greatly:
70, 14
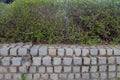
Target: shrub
52, 21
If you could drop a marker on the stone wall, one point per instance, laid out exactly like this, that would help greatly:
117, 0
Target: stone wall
59, 62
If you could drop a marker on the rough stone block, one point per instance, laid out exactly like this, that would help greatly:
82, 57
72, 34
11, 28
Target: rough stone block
102, 51
94, 52
54, 76
118, 74
77, 60
17, 76
112, 67
103, 75
4, 51
67, 69
67, 61
32, 69
61, 52
52, 52
3, 69
36, 61
6, 61
8, 76
34, 50
76, 68
57, 69
77, 76
94, 75
56, 61
70, 76
111, 60
45, 76
29, 77
22, 51
12, 69
16, 61
13, 51
47, 60
118, 60
36, 76
41, 69
102, 60
86, 61
43, 51
85, 52
118, 68
63, 76
110, 52
49, 69
1, 77
103, 68
23, 69
69, 52
93, 60
86, 76
117, 52
85, 68
93, 69
112, 75
78, 52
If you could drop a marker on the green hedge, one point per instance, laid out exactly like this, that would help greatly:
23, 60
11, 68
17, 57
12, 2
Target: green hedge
53, 21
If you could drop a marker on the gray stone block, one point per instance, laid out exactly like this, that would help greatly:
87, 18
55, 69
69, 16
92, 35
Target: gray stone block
32, 69
22, 51
17, 76
111, 60
94, 52
93, 69
94, 75
85, 68
50, 69
76, 68
118, 60
41, 69
118, 74
3, 69
52, 51
112, 75
63, 76
77, 76
70, 76
36, 61
23, 69
13, 51
36, 76
34, 50
6, 61
77, 60
102, 60
8, 76
47, 60
93, 60
86, 61
43, 51
78, 52
67, 61
12, 69
1, 77
16, 61
118, 68
85, 52
57, 69
112, 67
54, 76
117, 52
67, 69
29, 77
102, 51
45, 76
61, 52
103, 68
86, 76
110, 52
103, 75
4, 51
56, 61
69, 52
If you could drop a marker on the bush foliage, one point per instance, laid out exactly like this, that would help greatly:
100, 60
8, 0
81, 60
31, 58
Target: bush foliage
59, 21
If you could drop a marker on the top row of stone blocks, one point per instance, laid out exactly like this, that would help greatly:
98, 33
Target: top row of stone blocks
55, 51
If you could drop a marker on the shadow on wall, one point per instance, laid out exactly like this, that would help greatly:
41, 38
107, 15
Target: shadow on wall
6, 1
